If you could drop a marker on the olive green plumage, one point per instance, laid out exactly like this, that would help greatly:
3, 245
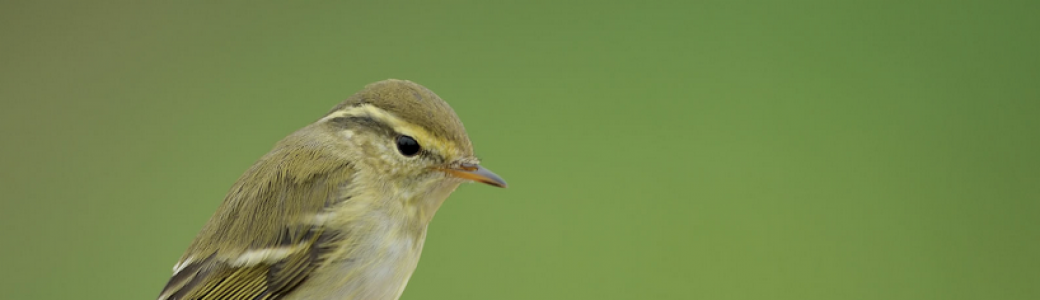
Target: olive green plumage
336, 210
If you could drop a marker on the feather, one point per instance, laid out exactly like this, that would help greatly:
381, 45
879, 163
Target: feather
274, 203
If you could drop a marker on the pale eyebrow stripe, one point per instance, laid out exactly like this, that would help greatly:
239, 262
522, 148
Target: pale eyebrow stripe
365, 122
371, 115
363, 115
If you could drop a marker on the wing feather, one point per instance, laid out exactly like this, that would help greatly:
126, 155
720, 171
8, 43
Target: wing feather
211, 279
270, 203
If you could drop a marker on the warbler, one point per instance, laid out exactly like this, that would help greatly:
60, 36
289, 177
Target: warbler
338, 209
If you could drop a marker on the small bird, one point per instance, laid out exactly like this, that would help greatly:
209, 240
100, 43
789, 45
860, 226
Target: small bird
338, 209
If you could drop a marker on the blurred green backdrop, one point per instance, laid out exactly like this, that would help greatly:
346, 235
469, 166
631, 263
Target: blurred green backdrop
669, 150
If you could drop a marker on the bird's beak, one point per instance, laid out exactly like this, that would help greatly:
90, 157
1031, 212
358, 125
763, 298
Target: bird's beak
476, 173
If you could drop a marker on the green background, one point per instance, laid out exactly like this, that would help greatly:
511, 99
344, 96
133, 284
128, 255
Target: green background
669, 150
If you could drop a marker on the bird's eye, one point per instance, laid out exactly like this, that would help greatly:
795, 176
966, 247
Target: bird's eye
407, 145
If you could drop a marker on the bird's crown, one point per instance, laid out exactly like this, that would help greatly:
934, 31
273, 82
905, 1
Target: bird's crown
403, 104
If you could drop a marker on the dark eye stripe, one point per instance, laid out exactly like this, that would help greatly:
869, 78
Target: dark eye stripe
363, 122
369, 123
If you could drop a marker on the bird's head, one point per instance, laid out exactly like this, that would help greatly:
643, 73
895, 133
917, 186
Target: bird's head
400, 139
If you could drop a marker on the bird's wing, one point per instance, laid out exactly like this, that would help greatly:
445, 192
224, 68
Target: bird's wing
262, 277
284, 243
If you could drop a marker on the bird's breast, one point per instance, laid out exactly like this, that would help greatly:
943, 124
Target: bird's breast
374, 261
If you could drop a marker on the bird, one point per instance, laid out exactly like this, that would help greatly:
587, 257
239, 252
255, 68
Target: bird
338, 209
